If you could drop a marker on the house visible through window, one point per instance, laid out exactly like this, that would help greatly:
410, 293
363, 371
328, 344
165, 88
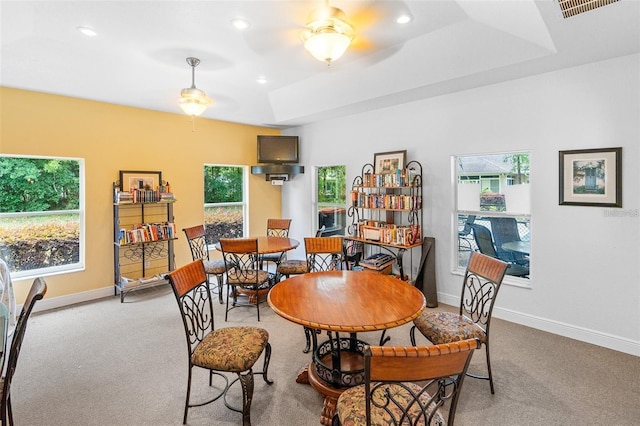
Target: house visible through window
225, 205
41, 215
493, 210
331, 199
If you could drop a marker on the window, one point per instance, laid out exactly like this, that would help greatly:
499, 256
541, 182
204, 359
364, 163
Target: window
331, 199
225, 202
492, 210
41, 215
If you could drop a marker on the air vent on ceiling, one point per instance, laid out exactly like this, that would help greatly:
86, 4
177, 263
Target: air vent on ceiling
575, 7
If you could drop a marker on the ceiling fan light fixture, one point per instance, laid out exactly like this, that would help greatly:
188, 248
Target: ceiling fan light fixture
327, 35
193, 101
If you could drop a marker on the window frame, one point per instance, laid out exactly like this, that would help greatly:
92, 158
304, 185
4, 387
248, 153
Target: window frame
455, 224
316, 205
245, 196
81, 212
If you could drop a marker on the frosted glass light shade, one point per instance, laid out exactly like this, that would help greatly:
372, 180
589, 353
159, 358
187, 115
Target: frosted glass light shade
327, 46
193, 101
327, 35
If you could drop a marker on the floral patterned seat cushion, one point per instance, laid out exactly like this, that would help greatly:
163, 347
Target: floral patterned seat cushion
247, 277
351, 406
444, 327
293, 267
233, 349
214, 266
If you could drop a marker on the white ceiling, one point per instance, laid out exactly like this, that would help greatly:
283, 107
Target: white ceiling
138, 57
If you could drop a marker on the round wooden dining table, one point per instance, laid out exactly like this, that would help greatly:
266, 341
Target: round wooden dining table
348, 302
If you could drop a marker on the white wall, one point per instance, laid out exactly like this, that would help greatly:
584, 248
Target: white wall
585, 280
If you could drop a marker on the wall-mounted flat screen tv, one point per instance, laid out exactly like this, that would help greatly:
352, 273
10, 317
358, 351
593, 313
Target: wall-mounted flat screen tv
278, 149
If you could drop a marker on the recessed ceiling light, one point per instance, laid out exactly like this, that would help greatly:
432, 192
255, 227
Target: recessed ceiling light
88, 31
403, 19
240, 24
262, 80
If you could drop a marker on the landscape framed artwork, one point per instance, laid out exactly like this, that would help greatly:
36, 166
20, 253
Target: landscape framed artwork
139, 180
591, 177
389, 162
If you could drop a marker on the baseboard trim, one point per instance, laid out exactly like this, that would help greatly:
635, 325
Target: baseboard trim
71, 299
605, 340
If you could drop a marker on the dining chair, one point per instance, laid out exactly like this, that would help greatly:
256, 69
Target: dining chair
243, 272
196, 237
36, 292
222, 350
485, 244
323, 254
275, 228
406, 385
480, 286
288, 267
353, 252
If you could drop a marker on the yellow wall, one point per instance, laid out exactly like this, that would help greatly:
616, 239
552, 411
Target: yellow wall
111, 138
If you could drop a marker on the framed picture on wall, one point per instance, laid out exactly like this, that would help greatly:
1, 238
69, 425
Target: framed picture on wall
139, 180
389, 162
591, 177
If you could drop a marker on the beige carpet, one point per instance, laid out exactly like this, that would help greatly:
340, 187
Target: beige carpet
106, 363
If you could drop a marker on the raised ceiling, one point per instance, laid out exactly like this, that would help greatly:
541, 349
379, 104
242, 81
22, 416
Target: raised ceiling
138, 56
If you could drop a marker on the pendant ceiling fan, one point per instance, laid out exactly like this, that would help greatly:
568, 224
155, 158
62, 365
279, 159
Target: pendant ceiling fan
359, 29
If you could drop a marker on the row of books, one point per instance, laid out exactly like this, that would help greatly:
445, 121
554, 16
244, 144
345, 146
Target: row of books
147, 232
386, 201
388, 233
142, 196
397, 179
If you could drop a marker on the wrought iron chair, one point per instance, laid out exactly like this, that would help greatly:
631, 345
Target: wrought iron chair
37, 292
485, 244
482, 280
231, 349
244, 275
275, 228
407, 385
196, 237
353, 252
288, 267
323, 254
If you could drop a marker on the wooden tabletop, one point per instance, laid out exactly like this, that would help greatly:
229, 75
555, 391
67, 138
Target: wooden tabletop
276, 244
346, 301
273, 244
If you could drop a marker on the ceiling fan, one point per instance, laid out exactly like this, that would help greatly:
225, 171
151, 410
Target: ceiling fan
370, 27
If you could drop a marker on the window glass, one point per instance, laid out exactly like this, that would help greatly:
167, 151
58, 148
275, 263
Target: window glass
225, 207
493, 209
41, 215
331, 193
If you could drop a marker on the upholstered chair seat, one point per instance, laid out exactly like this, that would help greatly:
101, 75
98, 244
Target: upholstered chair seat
352, 407
248, 277
248, 343
292, 267
443, 327
214, 267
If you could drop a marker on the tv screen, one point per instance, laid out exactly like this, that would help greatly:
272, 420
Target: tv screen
277, 149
